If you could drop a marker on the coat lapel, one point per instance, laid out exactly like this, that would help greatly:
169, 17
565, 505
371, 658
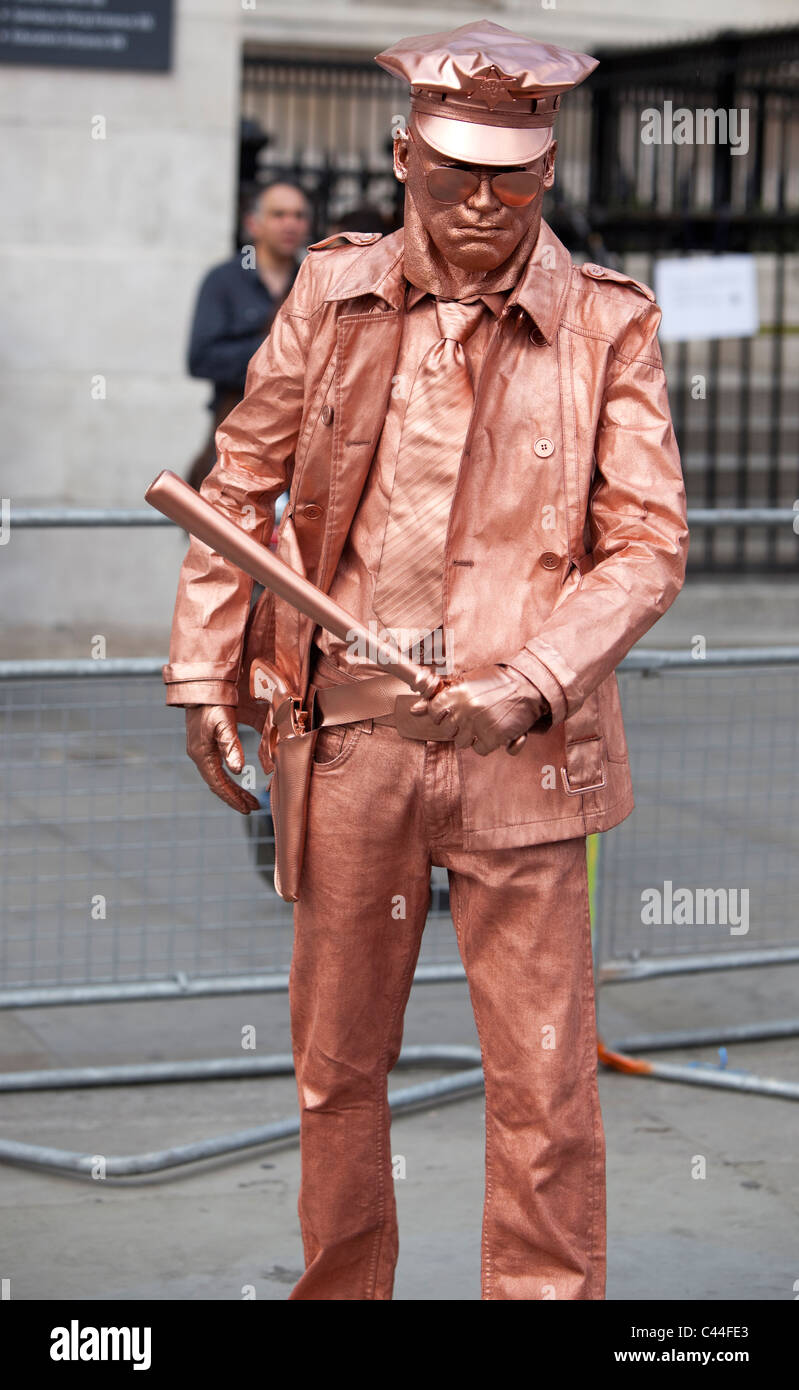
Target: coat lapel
367, 344
369, 296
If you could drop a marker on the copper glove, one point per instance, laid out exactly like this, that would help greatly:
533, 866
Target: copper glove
212, 739
486, 708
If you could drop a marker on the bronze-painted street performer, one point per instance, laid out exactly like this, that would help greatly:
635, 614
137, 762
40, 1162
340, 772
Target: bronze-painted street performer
482, 469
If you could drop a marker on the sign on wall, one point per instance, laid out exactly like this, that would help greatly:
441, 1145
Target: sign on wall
707, 297
98, 34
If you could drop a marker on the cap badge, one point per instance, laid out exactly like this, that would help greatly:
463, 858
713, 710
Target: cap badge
491, 89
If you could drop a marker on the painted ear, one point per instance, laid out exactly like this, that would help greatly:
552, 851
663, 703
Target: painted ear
401, 156
549, 164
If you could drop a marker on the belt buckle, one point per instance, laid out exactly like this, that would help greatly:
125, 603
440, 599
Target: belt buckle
417, 726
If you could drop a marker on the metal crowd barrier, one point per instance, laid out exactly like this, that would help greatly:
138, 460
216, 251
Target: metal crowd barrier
704, 876
35, 518
124, 879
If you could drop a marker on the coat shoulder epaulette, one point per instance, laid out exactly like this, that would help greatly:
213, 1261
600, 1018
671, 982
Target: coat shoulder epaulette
355, 238
603, 272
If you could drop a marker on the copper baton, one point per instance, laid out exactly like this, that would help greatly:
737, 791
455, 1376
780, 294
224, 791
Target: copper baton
177, 500
173, 497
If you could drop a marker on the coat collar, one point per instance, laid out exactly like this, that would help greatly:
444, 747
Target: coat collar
540, 291
495, 302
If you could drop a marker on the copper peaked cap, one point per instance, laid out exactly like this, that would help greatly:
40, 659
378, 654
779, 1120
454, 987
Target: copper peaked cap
484, 94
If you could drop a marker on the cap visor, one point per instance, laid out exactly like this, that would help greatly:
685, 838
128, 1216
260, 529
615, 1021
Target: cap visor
483, 144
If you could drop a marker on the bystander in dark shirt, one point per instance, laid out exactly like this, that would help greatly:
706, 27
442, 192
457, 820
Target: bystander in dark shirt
233, 315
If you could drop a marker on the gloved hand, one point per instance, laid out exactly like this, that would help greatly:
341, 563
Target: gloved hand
212, 739
486, 708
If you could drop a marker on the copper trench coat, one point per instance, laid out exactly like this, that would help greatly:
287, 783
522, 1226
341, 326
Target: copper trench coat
567, 536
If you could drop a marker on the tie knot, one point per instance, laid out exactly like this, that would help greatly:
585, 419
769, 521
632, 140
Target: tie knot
457, 319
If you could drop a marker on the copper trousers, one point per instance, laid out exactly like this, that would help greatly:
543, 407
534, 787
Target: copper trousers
382, 810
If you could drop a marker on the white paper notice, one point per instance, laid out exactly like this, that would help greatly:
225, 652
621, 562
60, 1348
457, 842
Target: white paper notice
707, 297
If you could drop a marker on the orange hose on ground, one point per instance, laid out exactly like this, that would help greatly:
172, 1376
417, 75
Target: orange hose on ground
620, 1062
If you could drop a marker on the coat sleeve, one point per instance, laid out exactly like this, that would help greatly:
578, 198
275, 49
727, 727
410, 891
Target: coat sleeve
637, 527
255, 462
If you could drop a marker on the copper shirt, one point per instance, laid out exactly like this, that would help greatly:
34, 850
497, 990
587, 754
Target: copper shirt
353, 585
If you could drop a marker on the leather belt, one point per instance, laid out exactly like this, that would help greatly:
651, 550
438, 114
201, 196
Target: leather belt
383, 699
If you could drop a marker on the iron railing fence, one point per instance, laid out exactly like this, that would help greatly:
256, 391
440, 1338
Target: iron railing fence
624, 202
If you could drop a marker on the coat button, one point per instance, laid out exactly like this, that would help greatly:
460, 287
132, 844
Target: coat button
327, 414
549, 560
596, 270
544, 447
312, 511
537, 337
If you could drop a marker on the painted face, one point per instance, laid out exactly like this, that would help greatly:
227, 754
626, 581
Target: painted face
478, 231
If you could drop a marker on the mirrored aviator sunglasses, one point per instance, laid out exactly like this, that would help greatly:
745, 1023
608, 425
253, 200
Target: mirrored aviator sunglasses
517, 188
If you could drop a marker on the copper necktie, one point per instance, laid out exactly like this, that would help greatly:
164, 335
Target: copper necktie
408, 592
